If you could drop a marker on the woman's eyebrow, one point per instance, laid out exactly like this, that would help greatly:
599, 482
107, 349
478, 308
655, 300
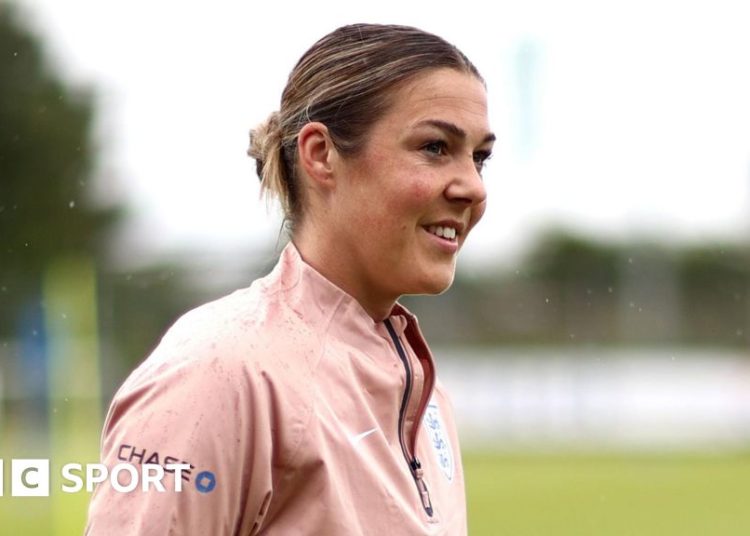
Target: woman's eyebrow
454, 130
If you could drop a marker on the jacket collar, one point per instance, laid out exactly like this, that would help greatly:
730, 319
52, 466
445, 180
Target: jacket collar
320, 302
330, 311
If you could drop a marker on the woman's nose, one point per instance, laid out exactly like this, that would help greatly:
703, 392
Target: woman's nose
467, 185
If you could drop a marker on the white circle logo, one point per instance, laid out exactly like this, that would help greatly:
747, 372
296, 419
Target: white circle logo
439, 438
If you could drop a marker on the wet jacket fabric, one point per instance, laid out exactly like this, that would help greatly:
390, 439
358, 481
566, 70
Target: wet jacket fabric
294, 412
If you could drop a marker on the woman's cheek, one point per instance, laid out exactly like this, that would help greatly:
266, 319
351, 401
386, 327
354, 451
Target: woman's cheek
421, 192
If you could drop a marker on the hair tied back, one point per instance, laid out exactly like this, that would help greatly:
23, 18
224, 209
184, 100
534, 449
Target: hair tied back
265, 140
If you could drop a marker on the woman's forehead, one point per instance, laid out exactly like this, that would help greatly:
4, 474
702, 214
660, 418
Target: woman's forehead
443, 95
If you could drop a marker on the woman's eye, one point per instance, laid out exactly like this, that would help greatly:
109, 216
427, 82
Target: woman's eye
480, 158
436, 147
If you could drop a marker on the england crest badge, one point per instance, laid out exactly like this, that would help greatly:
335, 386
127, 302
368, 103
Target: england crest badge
441, 445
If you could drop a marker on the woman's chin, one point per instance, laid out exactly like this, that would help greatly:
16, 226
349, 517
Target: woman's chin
436, 283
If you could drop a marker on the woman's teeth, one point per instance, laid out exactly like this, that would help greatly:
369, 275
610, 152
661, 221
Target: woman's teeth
449, 233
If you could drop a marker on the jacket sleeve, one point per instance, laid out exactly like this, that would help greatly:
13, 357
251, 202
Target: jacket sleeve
208, 412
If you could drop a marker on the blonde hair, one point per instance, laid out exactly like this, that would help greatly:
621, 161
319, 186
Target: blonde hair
344, 81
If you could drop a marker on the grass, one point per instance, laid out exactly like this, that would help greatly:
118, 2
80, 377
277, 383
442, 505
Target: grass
612, 495
537, 495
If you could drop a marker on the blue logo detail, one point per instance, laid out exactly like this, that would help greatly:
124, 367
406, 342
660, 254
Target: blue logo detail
205, 481
439, 438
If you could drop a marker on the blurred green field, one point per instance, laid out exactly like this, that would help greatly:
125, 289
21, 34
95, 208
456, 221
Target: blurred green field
538, 495
608, 495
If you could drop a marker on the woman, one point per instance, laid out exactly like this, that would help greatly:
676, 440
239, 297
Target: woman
307, 403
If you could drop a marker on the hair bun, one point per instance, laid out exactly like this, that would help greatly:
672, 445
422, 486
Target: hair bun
265, 141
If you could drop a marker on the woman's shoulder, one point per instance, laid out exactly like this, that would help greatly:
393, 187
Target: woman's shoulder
237, 338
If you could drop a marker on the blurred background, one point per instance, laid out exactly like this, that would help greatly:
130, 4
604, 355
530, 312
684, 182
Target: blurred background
597, 338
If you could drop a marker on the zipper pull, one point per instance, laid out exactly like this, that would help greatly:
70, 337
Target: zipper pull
424, 493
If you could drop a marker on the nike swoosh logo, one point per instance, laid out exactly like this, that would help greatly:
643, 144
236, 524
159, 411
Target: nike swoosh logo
354, 440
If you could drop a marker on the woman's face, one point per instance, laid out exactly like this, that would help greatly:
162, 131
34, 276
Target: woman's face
403, 206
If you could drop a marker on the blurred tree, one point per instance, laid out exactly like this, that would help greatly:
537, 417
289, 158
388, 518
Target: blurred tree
46, 162
573, 289
561, 256
716, 283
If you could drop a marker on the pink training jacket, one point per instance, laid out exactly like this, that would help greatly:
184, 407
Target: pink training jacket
296, 413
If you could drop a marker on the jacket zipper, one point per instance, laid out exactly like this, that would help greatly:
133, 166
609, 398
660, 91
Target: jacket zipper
414, 465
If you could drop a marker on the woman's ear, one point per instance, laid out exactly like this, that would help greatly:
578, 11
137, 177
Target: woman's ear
316, 153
